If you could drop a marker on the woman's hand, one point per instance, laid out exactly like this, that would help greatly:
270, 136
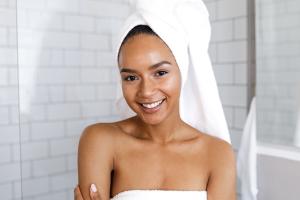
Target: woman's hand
93, 193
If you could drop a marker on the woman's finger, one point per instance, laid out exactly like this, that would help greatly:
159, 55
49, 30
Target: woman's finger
77, 194
94, 193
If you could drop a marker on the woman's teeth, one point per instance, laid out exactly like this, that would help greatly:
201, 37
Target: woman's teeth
152, 105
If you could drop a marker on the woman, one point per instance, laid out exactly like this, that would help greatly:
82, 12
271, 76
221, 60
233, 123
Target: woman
154, 154
155, 148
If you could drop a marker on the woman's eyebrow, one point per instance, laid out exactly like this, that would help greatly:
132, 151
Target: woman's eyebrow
159, 64
127, 70
151, 67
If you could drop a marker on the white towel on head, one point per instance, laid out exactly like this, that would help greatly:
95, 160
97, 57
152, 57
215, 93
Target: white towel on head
184, 26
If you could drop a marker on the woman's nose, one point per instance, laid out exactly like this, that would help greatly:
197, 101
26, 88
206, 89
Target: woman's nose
147, 88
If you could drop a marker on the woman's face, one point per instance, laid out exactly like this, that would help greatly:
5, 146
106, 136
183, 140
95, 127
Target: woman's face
150, 78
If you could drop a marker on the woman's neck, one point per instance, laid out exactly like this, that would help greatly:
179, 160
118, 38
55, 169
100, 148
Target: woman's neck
162, 133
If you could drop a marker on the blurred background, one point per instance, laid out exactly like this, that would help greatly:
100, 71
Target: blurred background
58, 75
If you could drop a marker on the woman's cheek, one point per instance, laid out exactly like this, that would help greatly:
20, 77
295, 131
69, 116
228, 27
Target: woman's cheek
128, 92
172, 84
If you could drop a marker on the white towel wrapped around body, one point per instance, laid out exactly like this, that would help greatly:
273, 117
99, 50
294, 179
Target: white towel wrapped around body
161, 195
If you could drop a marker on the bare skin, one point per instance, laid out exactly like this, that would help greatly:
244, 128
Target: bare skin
94, 195
154, 150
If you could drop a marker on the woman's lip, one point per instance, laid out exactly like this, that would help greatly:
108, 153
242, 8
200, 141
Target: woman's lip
153, 110
151, 101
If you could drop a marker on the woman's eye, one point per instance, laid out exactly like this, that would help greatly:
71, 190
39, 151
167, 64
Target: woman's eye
130, 78
161, 73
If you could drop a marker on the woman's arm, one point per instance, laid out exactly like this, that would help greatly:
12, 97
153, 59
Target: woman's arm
94, 195
222, 180
95, 160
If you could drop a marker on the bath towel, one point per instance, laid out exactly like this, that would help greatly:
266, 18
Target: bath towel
160, 195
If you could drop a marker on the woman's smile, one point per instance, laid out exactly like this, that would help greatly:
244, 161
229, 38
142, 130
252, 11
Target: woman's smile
152, 107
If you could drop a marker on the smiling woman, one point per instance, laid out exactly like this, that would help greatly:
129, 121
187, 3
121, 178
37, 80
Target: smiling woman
155, 154
151, 82
156, 140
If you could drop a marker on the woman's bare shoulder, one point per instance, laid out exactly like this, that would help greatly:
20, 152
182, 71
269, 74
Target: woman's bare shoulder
222, 160
222, 164
218, 148
213, 146
107, 130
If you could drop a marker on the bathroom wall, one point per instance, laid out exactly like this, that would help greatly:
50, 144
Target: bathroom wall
66, 82
278, 102
232, 60
10, 169
278, 71
66, 75
232, 54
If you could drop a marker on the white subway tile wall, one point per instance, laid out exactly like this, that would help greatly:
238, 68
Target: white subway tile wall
230, 58
10, 168
278, 47
67, 81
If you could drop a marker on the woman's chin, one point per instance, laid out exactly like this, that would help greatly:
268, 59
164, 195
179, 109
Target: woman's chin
151, 120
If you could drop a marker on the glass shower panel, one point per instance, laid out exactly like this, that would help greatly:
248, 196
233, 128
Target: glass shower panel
278, 71
10, 176
67, 81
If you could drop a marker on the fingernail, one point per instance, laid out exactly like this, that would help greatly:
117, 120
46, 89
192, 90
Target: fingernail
93, 188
